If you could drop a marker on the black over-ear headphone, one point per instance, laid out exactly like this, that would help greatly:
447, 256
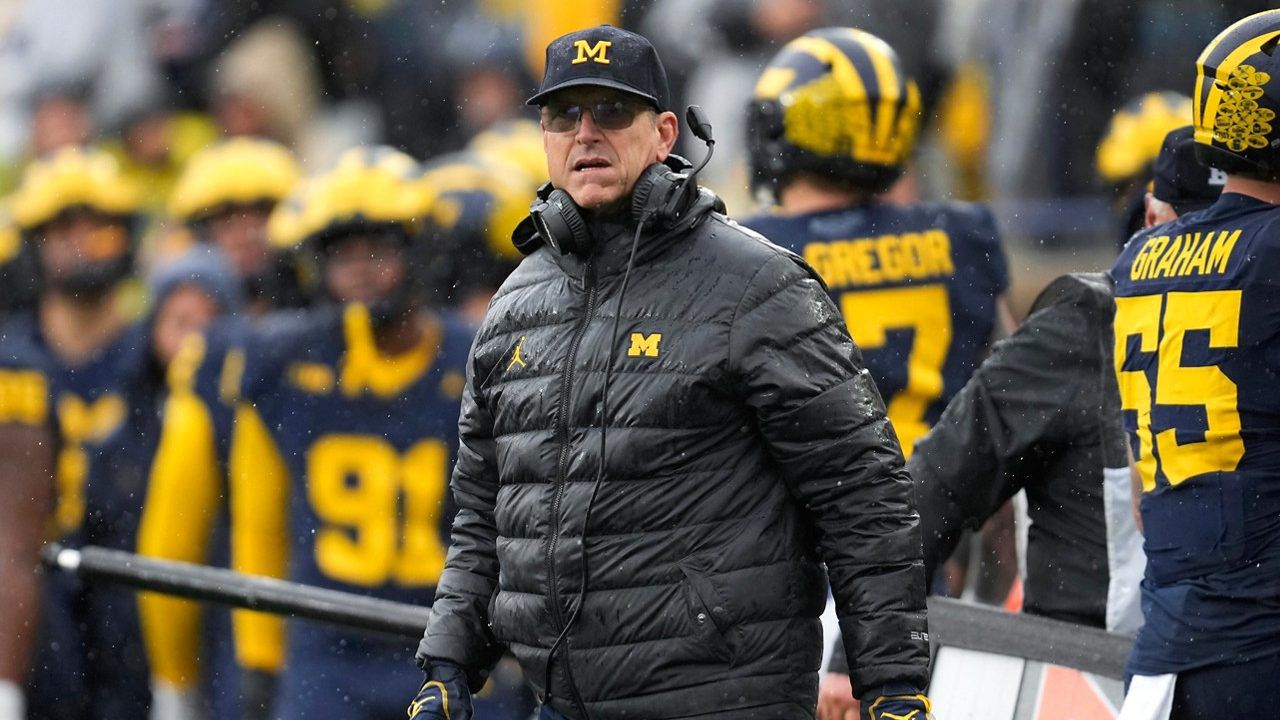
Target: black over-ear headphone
660, 196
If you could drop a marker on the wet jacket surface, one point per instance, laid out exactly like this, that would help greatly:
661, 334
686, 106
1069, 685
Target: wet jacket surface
1042, 415
746, 447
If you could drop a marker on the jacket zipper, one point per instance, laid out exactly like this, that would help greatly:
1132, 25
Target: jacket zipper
562, 429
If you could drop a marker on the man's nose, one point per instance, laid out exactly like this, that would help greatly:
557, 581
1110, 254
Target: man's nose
588, 130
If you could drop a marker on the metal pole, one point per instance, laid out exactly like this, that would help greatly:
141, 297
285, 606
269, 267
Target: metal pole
199, 582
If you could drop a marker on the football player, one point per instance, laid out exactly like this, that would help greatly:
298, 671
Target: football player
833, 124
1130, 146
481, 194
225, 197
343, 439
79, 218
1197, 330
337, 448
1041, 415
26, 464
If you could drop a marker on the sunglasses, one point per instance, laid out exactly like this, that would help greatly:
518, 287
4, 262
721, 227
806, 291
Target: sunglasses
607, 114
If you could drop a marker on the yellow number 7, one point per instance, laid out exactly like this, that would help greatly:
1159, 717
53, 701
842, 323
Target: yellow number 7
925, 309
1218, 313
355, 484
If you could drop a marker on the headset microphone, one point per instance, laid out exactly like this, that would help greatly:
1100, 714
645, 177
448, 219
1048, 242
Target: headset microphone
701, 128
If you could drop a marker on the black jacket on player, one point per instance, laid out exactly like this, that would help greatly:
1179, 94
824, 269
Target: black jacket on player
746, 447
1042, 414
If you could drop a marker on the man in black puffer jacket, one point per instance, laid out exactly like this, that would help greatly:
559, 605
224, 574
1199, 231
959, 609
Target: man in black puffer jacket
743, 447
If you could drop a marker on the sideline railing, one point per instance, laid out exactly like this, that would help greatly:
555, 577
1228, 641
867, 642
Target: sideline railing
951, 623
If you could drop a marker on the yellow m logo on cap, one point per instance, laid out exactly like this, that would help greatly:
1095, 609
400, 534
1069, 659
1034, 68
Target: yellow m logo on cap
644, 345
598, 52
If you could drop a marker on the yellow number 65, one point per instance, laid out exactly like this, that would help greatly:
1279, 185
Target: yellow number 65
1217, 312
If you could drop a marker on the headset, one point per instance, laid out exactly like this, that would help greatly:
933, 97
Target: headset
661, 195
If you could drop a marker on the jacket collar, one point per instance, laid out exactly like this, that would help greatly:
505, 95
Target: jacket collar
613, 238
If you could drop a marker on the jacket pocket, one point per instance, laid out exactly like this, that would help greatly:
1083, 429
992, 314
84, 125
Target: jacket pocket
709, 616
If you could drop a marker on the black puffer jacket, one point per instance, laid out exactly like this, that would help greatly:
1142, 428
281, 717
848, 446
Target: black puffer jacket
1042, 414
745, 447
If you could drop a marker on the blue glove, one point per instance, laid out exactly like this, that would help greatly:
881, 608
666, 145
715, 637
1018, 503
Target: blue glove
444, 694
896, 703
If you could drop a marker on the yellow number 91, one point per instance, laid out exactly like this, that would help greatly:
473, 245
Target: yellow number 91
356, 485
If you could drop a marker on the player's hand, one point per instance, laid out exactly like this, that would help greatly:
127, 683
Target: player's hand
914, 706
835, 699
444, 694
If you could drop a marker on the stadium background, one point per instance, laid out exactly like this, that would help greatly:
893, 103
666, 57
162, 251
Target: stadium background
1018, 92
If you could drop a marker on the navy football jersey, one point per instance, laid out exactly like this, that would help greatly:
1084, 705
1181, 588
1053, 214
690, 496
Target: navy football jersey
1197, 349
89, 407
369, 462
86, 403
917, 286
367, 443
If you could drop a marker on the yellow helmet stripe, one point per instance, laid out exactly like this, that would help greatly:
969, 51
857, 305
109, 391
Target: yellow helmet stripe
1205, 122
773, 81
890, 83
842, 70
1206, 57
1262, 18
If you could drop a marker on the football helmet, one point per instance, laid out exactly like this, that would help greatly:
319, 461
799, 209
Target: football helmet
1134, 135
1237, 97
368, 188
375, 190
73, 178
478, 201
240, 171
80, 179
834, 102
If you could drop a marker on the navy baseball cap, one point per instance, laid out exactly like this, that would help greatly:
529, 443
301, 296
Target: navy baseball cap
1180, 179
605, 56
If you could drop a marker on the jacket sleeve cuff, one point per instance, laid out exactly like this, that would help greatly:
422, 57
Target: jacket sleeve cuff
436, 650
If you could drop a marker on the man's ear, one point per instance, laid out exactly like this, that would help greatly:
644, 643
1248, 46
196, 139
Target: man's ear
1150, 219
668, 126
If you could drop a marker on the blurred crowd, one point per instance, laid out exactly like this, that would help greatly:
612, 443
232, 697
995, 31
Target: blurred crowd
154, 80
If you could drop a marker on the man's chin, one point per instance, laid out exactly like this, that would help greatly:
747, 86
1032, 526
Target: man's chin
594, 199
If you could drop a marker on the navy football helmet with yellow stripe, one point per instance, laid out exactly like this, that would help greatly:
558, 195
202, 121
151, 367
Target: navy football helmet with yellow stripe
81, 180
835, 103
1237, 98
370, 191
1135, 133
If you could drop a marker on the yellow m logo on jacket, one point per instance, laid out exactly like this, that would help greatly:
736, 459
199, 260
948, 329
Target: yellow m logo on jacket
597, 52
644, 345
